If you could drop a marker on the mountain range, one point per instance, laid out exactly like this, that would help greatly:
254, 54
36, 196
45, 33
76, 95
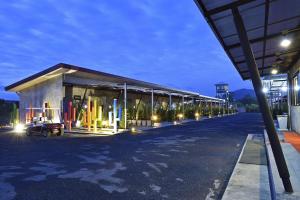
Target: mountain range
7, 95
241, 93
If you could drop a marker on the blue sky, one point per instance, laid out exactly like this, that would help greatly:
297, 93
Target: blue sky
161, 41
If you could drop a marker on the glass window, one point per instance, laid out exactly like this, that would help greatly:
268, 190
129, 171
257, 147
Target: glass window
296, 93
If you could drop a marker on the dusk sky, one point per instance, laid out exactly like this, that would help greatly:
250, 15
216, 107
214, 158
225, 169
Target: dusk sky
160, 41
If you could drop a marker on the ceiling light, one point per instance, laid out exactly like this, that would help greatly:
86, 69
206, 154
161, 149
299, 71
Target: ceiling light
284, 88
285, 43
274, 71
265, 90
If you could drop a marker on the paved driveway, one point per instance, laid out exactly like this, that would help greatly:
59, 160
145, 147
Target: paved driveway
190, 161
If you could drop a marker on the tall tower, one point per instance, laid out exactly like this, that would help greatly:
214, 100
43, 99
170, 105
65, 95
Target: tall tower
222, 90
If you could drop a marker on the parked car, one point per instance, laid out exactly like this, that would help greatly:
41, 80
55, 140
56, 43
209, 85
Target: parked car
45, 129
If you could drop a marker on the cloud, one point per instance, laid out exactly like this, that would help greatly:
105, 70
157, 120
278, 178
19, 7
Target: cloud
148, 40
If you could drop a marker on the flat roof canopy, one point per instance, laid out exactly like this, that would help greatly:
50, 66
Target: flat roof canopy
267, 23
105, 80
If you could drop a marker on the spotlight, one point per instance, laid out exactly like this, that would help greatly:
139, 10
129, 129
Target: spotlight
180, 116
297, 87
285, 42
274, 71
133, 130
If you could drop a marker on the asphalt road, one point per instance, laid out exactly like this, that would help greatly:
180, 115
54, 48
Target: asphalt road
190, 161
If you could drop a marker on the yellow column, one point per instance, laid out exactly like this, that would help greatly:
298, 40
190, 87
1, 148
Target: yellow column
89, 116
95, 115
100, 113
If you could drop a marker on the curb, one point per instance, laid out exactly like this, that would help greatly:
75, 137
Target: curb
238, 160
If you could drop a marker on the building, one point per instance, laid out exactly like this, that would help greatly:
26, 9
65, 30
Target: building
275, 88
222, 90
90, 99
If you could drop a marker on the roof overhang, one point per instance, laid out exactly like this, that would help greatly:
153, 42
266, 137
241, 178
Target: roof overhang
103, 80
267, 22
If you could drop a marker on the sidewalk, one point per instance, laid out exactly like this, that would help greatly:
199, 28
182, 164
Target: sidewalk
252, 177
292, 158
249, 179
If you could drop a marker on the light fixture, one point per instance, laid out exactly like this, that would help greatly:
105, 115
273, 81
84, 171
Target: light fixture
297, 87
133, 130
265, 90
274, 71
284, 88
180, 116
154, 117
19, 128
285, 43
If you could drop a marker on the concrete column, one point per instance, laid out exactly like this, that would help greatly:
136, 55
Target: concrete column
125, 105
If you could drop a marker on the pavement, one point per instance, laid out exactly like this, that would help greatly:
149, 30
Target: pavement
292, 157
250, 178
187, 161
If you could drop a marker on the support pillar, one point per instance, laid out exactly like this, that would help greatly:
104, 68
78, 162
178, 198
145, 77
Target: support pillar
89, 114
263, 104
183, 106
170, 101
125, 105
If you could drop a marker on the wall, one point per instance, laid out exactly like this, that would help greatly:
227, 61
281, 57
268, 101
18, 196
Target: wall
295, 110
295, 118
48, 91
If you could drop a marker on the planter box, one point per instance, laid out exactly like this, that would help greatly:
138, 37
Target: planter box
149, 123
144, 123
282, 121
138, 122
133, 122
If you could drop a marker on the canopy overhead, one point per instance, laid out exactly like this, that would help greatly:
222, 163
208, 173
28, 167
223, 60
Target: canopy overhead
104, 80
267, 22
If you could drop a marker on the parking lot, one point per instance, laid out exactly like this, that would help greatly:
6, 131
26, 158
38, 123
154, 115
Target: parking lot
188, 161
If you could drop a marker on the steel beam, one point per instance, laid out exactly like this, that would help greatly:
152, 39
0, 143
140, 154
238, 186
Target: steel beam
265, 110
228, 6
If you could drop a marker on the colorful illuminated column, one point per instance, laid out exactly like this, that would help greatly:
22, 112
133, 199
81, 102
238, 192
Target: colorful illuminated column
183, 106
152, 102
115, 115
95, 115
70, 116
89, 115
170, 101
125, 105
